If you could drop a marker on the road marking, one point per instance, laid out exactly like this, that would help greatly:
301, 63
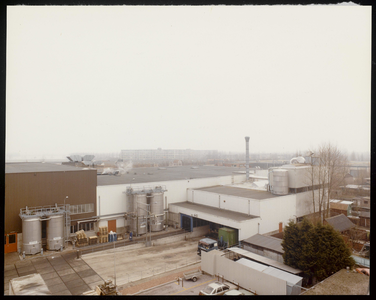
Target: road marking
185, 289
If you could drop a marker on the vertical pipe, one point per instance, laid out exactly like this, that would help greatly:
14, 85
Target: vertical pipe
247, 157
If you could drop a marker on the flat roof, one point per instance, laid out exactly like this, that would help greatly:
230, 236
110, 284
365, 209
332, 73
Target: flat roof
156, 174
35, 167
239, 192
267, 242
342, 283
265, 260
222, 213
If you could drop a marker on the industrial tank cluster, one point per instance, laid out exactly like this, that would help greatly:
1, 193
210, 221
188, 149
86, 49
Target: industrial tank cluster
143, 204
32, 228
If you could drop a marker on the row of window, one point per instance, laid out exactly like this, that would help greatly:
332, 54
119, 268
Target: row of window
89, 226
81, 208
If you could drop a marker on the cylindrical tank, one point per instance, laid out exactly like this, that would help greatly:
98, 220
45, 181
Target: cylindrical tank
280, 182
140, 205
55, 232
156, 208
31, 235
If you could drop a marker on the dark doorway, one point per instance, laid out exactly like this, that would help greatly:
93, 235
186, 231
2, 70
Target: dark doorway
186, 223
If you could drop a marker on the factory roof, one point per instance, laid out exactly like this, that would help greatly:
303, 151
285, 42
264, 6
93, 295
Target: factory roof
264, 260
245, 192
155, 174
221, 213
35, 167
267, 242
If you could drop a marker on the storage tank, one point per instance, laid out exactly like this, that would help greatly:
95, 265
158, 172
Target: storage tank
156, 208
280, 182
31, 235
55, 232
140, 205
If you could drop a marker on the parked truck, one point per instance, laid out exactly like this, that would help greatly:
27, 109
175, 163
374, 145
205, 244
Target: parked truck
206, 245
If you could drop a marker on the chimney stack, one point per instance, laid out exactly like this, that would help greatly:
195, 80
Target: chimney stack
247, 157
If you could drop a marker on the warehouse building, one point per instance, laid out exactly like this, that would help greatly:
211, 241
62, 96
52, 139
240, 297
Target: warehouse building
36, 190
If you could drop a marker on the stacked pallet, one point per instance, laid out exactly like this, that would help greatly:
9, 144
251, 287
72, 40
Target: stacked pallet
93, 240
81, 238
103, 234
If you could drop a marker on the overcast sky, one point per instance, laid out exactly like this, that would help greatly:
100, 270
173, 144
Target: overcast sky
103, 79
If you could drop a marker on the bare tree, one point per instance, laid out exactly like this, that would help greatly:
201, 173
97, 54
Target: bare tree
328, 169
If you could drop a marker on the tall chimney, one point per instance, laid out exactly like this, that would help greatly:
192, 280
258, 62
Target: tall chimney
247, 157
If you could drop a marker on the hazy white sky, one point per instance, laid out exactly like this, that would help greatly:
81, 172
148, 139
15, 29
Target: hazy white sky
102, 79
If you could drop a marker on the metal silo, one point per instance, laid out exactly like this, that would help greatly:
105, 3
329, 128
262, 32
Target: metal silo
140, 205
31, 235
280, 182
156, 208
55, 232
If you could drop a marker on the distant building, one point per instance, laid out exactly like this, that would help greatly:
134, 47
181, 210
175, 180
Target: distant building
159, 154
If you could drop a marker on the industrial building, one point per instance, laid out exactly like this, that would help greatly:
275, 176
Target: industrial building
40, 198
166, 154
52, 196
217, 196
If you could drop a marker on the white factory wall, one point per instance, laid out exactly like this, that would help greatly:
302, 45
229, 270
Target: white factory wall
227, 202
276, 210
111, 199
304, 205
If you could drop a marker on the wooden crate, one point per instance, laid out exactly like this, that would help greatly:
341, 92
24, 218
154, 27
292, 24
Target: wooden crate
82, 242
93, 240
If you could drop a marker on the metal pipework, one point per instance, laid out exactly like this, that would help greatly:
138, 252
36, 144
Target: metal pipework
247, 157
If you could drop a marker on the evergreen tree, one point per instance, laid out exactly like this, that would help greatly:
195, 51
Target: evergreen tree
318, 250
291, 245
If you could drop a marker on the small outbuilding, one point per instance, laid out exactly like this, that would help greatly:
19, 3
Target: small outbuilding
267, 246
340, 223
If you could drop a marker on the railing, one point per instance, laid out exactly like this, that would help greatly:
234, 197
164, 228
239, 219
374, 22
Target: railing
41, 210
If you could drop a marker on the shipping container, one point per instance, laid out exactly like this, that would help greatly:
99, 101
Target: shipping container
228, 236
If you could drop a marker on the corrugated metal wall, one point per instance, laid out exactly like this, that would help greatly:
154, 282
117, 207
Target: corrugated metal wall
47, 188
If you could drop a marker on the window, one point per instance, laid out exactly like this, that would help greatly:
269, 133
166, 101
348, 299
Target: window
81, 208
12, 238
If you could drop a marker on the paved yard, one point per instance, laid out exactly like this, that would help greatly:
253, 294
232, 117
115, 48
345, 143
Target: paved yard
64, 274
132, 265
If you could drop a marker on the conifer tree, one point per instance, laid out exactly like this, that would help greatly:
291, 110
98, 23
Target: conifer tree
318, 250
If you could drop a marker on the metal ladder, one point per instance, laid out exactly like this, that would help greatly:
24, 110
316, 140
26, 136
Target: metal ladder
67, 222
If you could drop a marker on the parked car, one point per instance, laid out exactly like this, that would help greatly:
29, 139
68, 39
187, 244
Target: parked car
239, 292
215, 289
